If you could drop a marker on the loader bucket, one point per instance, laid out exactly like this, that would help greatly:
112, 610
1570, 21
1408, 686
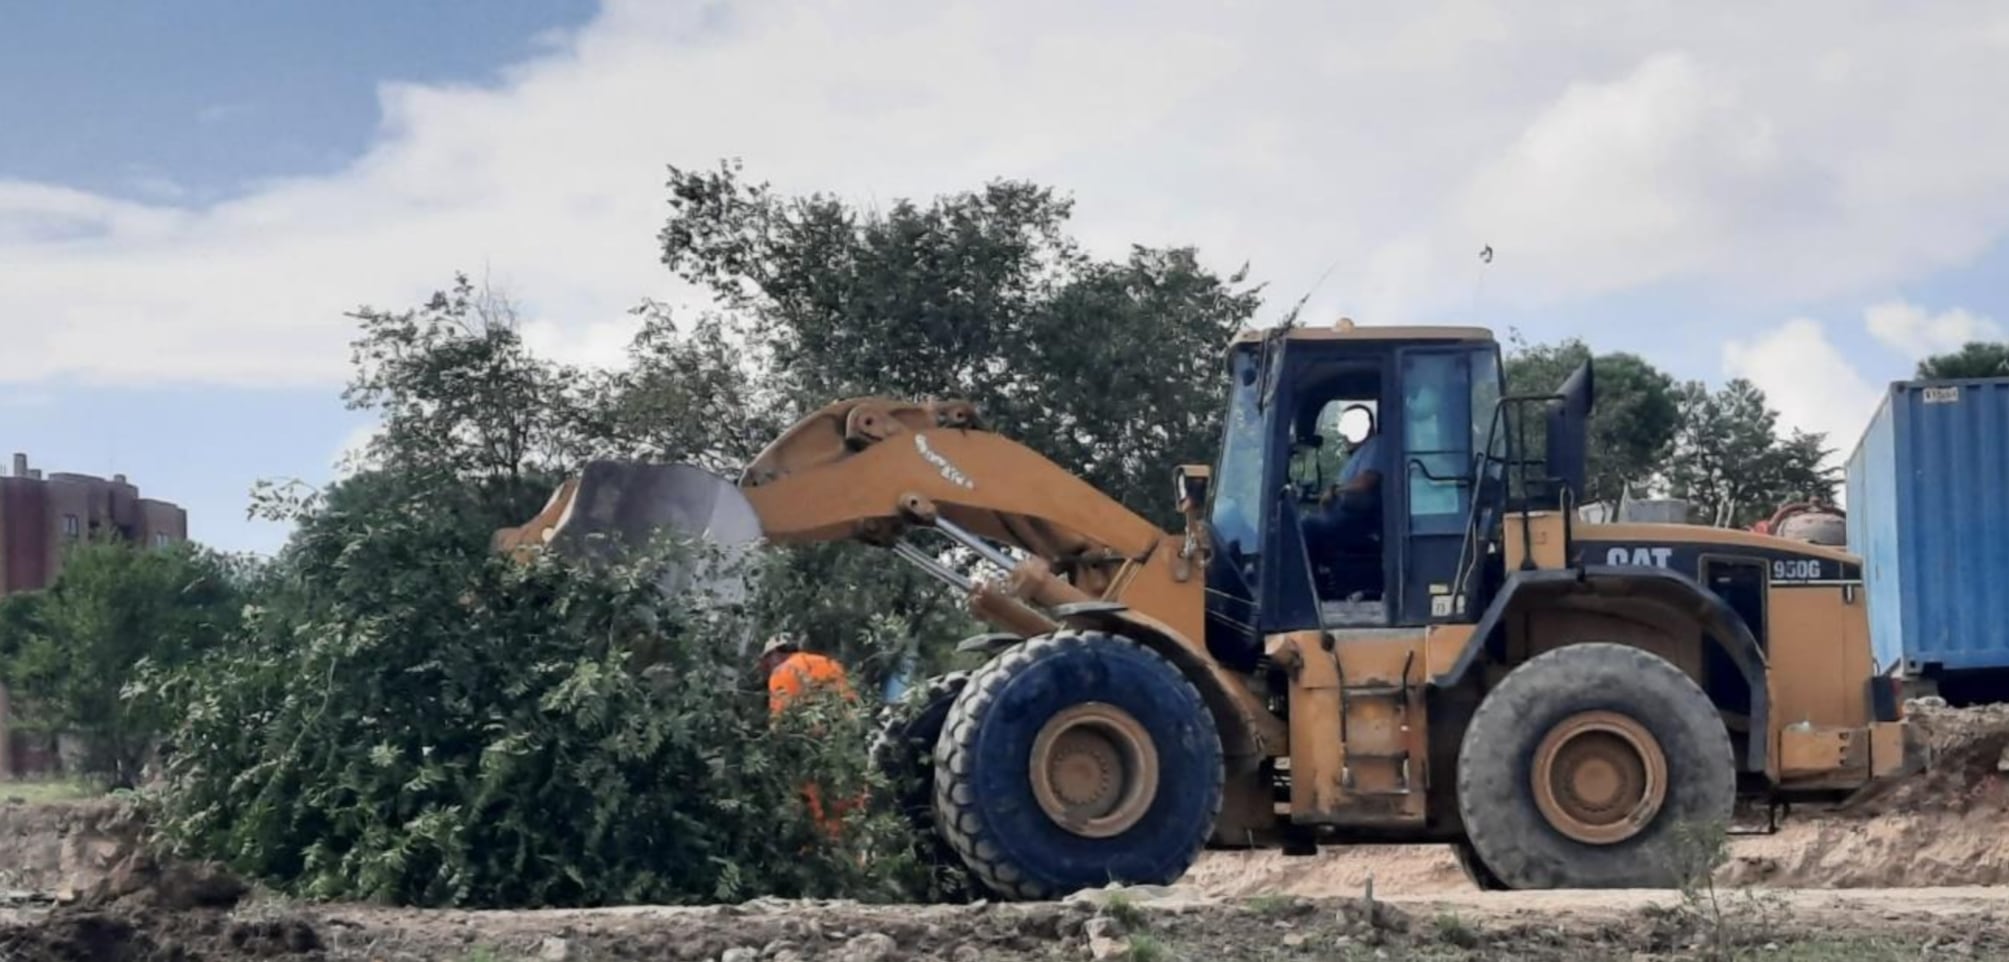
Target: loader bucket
616, 507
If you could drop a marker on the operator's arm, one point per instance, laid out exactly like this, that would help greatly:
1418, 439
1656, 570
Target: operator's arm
1362, 473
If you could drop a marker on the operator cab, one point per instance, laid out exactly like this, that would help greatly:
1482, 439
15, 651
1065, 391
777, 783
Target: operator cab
1346, 485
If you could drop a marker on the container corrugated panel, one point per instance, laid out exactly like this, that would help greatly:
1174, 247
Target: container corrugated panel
1928, 507
1872, 526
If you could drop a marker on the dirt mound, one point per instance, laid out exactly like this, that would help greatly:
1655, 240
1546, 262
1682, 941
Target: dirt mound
1939, 827
66, 847
1967, 769
147, 935
144, 911
1393, 869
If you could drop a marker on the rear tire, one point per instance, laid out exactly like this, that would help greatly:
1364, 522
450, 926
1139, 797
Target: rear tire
904, 752
1074, 760
1577, 769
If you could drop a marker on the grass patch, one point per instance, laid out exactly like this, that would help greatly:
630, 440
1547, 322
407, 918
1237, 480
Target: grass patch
1276, 906
1845, 950
1145, 948
1125, 911
49, 791
1452, 929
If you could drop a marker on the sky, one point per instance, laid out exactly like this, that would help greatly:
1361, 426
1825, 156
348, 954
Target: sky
193, 196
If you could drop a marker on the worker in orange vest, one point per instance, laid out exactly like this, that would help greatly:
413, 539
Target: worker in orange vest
791, 672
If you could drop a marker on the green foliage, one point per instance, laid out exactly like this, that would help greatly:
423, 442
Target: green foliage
409, 717
70, 654
1147, 948
1274, 906
1633, 421
1109, 368
1722, 450
1452, 929
459, 395
1974, 359
694, 397
1112, 369
1126, 912
20, 621
429, 724
1724, 926
1730, 462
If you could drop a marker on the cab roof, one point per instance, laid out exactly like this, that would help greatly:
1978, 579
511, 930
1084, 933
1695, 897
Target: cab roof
1346, 330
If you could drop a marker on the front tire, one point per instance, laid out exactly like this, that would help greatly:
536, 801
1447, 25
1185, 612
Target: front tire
1578, 769
1476, 872
1074, 760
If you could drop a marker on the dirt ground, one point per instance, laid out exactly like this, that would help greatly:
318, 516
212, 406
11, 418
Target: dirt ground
1919, 869
1140, 925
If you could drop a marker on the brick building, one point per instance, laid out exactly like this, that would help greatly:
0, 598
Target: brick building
40, 516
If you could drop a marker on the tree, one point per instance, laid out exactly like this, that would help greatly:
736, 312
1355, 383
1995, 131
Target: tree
1633, 422
1730, 464
1974, 359
1111, 368
696, 397
114, 610
459, 395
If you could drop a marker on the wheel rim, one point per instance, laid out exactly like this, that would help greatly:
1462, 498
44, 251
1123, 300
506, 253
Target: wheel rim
1094, 770
1599, 777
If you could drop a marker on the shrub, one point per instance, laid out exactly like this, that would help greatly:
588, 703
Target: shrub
415, 720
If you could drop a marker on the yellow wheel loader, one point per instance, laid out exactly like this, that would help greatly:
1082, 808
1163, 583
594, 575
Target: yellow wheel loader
1382, 623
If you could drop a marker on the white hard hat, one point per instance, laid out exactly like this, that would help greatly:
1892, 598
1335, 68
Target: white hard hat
782, 641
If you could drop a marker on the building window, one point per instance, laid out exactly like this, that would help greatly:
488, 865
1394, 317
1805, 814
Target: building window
160, 539
70, 527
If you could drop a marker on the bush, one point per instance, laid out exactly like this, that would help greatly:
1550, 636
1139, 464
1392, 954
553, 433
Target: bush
70, 653
415, 720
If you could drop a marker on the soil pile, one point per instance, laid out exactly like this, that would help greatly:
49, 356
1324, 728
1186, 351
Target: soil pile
1942, 826
63, 848
142, 911
1332, 873
1967, 769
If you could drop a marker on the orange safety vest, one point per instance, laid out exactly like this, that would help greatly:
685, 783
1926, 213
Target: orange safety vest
795, 675
787, 682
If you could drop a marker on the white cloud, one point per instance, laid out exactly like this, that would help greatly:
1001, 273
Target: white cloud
1633, 180
1765, 153
1809, 382
1916, 332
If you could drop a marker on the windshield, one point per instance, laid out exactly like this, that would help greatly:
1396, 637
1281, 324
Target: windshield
1238, 480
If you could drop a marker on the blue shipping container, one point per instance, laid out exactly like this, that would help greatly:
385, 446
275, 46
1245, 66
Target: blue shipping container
1928, 512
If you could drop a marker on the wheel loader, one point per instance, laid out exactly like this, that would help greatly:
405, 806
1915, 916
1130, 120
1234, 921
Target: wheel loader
1382, 622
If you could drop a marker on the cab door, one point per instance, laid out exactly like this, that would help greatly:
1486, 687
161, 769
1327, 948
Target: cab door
1435, 415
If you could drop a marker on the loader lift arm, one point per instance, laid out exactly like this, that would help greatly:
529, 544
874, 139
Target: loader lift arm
872, 469
868, 468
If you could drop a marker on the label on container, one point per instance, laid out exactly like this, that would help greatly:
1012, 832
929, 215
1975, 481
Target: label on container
1942, 395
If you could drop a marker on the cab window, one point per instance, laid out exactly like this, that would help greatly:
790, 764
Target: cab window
1437, 440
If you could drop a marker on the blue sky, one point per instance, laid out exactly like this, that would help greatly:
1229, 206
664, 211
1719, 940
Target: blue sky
191, 195
194, 102
200, 99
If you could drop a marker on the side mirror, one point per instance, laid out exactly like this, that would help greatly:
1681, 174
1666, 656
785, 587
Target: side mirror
1191, 482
